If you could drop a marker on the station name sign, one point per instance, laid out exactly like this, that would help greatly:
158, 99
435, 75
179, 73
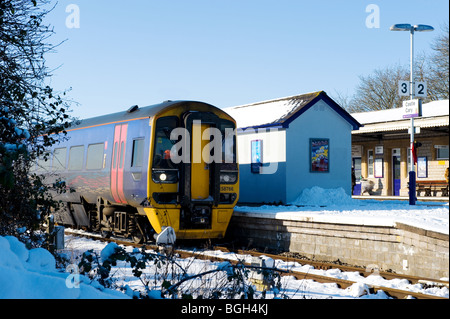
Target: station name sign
412, 108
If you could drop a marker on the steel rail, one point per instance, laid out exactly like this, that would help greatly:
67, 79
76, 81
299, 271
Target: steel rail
328, 265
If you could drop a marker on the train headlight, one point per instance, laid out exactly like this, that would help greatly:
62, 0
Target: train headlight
165, 176
228, 177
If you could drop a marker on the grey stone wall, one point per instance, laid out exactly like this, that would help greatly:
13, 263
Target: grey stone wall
402, 249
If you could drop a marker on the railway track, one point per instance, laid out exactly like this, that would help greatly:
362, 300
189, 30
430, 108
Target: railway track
363, 271
342, 283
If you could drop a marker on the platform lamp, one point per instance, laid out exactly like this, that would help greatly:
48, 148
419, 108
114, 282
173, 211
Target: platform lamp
412, 29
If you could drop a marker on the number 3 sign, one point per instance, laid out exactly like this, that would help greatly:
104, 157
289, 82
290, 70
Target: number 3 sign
420, 89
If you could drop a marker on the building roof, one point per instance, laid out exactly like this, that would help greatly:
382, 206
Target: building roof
281, 112
434, 114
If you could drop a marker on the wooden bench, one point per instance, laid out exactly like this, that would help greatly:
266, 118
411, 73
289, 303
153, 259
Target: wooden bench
431, 188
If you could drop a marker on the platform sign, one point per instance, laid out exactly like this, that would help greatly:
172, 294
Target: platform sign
412, 108
403, 88
420, 89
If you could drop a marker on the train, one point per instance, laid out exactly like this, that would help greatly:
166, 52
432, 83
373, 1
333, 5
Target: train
167, 168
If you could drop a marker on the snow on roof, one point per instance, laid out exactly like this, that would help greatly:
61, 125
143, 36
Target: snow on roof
431, 109
269, 112
283, 111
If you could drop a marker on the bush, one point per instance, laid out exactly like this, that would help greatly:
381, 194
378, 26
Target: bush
165, 276
32, 116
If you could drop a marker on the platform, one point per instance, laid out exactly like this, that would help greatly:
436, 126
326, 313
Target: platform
441, 199
386, 243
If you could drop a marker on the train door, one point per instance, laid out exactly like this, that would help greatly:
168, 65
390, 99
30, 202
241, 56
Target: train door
396, 171
199, 158
201, 173
117, 164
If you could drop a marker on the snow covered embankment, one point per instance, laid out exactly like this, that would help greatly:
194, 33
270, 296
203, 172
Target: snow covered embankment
32, 274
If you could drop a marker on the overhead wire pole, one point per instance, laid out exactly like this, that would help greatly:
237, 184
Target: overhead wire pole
412, 29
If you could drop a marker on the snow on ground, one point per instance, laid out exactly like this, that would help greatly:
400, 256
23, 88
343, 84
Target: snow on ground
334, 205
310, 289
32, 273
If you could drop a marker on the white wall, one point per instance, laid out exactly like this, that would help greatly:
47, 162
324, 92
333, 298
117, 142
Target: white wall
270, 185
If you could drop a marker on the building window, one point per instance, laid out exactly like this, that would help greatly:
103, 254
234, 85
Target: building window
95, 156
76, 155
441, 152
59, 159
370, 163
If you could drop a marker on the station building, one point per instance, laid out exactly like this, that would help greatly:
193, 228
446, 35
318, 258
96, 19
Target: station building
381, 149
289, 144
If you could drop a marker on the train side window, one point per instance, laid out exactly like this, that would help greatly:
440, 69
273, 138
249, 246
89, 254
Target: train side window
138, 153
42, 164
95, 156
121, 158
59, 159
76, 155
115, 155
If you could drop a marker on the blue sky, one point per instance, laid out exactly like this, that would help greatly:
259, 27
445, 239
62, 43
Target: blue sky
227, 53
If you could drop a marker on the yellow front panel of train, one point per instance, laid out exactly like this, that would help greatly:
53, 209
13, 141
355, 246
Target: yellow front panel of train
199, 168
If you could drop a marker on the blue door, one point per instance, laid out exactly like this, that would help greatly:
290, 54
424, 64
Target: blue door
396, 172
357, 171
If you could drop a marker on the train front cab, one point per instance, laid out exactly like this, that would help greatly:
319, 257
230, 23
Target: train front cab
195, 190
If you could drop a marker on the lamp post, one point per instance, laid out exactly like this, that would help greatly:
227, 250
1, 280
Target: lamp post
412, 29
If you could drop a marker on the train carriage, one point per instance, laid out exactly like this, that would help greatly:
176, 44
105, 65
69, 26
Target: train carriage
137, 172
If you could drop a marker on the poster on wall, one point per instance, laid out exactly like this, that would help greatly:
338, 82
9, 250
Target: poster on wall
378, 167
320, 157
256, 154
422, 169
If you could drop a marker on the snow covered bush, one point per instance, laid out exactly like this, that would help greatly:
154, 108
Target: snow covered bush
164, 275
29, 110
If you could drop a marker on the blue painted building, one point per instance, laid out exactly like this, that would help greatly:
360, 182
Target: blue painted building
289, 144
